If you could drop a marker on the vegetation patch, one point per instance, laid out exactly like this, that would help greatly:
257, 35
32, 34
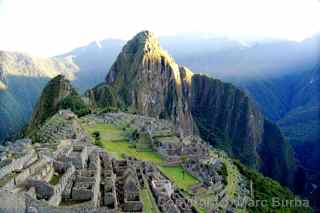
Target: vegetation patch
54, 179
148, 204
266, 189
75, 104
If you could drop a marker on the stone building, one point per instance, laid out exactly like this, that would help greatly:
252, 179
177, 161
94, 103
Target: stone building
173, 148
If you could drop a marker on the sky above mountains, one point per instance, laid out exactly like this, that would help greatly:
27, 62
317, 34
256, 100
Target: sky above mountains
47, 28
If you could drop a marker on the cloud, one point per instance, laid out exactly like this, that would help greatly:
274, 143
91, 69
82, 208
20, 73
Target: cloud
46, 27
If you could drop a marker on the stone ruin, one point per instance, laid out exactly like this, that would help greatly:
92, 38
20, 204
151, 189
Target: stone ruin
205, 170
128, 186
70, 174
166, 194
155, 127
78, 176
172, 149
61, 126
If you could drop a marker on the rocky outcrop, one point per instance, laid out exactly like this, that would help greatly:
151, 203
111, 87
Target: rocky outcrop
146, 80
48, 104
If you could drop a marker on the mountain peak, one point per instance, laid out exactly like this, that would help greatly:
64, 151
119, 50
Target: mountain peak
143, 42
48, 104
146, 36
141, 51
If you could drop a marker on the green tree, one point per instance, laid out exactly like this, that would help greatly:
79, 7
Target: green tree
183, 159
135, 135
97, 137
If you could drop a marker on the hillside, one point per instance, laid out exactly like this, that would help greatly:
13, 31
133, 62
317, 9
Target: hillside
146, 80
57, 94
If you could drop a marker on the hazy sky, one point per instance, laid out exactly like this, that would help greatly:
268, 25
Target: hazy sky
49, 27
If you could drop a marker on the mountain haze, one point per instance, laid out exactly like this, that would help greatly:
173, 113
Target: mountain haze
93, 60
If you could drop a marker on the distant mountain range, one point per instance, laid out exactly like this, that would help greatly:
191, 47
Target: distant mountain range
93, 60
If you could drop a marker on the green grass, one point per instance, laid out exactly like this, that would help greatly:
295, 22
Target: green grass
124, 147
54, 179
148, 205
175, 174
201, 210
108, 132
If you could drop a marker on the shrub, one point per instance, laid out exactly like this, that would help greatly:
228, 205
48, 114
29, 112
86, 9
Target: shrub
108, 109
97, 137
224, 173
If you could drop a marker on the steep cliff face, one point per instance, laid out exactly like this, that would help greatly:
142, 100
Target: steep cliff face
48, 104
226, 118
146, 80
277, 160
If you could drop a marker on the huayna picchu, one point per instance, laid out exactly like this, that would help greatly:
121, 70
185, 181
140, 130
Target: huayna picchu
146, 80
153, 137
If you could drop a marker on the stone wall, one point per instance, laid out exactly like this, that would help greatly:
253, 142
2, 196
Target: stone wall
43, 189
58, 188
17, 164
12, 202
33, 205
96, 188
43, 172
62, 152
33, 169
78, 156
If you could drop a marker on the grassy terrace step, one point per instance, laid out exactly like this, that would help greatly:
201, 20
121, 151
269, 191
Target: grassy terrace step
179, 176
149, 203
